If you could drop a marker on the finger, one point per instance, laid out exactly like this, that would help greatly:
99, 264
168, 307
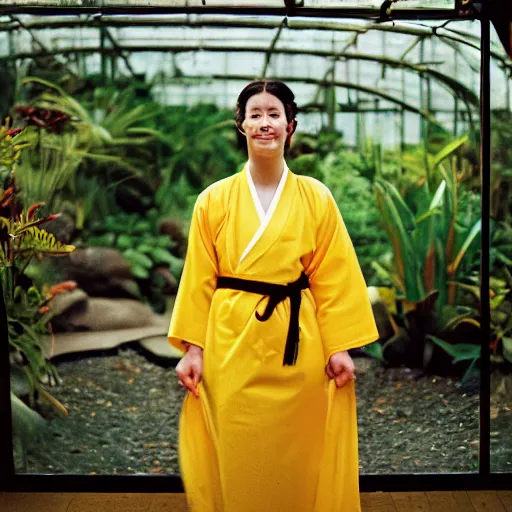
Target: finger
189, 384
196, 377
343, 379
329, 371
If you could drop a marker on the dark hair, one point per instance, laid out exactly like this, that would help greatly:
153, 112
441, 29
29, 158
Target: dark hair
278, 89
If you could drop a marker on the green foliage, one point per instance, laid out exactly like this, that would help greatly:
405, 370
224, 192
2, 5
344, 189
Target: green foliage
115, 145
429, 244
21, 239
353, 194
11, 145
138, 240
47, 165
201, 146
435, 245
26, 325
501, 170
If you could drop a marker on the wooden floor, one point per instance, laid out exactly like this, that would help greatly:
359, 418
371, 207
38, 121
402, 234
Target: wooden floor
471, 501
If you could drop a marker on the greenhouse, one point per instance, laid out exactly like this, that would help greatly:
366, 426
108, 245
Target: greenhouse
116, 115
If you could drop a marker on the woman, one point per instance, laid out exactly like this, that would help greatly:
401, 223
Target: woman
270, 300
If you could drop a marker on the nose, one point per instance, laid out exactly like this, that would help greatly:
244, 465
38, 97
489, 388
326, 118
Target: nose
264, 122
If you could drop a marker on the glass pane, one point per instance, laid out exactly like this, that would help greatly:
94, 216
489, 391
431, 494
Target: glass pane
405, 4
126, 172
501, 266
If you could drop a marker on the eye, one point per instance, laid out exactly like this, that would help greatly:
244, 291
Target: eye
254, 116
274, 115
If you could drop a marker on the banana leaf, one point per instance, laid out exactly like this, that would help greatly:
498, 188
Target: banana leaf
398, 228
460, 351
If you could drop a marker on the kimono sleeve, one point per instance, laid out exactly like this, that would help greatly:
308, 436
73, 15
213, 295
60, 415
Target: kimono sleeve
189, 319
344, 312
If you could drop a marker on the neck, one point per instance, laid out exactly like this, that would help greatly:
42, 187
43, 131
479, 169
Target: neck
266, 170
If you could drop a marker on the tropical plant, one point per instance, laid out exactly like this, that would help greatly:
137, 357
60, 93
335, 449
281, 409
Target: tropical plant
111, 145
139, 241
341, 172
430, 247
21, 241
200, 146
10, 149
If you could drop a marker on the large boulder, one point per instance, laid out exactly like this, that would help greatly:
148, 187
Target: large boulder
100, 271
99, 261
102, 314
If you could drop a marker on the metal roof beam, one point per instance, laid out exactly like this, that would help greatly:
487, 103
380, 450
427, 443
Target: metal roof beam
454, 86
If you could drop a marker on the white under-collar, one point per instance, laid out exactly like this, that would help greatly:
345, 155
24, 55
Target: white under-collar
265, 218
277, 194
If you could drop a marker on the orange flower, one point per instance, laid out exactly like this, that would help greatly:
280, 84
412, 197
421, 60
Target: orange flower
65, 286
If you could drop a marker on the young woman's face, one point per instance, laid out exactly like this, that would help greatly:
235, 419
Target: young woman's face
265, 124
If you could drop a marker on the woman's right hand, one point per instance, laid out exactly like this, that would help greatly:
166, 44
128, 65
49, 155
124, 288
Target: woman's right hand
190, 369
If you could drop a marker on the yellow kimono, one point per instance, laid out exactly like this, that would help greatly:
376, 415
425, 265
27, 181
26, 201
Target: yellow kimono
263, 436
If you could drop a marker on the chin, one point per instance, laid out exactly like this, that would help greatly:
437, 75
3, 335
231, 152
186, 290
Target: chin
267, 148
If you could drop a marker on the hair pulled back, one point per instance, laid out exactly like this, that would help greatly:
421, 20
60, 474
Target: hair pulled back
278, 89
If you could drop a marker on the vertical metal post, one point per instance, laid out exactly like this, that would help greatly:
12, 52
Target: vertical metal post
6, 445
485, 177
103, 38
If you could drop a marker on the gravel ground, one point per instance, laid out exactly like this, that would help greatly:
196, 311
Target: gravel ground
124, 411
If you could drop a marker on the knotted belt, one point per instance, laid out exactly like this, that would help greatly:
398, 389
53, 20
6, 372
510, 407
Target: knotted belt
276, 293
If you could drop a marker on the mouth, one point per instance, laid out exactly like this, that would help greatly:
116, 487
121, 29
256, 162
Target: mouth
264, 137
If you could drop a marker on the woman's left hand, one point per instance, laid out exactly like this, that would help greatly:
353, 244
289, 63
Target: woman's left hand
340, 368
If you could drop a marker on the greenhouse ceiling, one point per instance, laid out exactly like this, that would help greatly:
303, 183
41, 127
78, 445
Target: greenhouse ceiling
421, 67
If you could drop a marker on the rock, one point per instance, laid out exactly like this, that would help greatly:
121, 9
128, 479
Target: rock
100, 314
84, 341
65, 300
174, 229
171, 284
62, 228
112, 288
100, 271
364, 365
160, 346
98, 261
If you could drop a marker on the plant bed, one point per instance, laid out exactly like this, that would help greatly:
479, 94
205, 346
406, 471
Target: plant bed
124, 412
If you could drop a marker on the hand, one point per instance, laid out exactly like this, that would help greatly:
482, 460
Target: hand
340, 368
190, 369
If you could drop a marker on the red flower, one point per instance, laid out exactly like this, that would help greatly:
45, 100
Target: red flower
51, 120
14, 131
32, 210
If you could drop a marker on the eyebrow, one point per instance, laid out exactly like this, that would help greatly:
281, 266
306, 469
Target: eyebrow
257, 108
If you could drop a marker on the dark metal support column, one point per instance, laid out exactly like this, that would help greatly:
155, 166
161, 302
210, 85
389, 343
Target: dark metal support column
485, 177
6, 445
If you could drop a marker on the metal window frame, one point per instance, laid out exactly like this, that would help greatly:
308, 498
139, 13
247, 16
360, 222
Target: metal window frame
483, 479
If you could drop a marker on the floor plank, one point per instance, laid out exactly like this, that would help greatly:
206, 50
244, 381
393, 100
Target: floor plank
449, 501
457, 501
410, 501
96, 502
486, 501
377, 502
462, 499
506, 498
168, 503
30, 502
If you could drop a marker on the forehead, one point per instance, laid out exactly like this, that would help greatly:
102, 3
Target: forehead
264, 101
